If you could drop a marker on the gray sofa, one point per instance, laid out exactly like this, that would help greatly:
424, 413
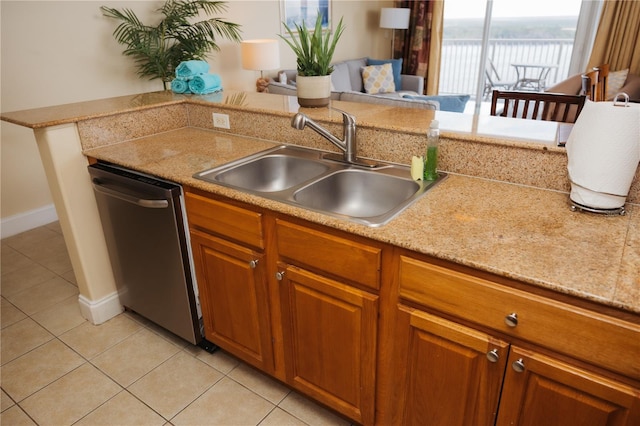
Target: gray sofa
346, 81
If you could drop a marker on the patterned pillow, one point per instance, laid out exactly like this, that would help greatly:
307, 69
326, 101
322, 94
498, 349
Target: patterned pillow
615, 81
396, 64
378, 79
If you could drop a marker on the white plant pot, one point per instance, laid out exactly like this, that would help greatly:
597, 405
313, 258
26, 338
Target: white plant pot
313, 92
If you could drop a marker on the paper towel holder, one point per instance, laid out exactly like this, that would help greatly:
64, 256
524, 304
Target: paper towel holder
607, 211
625, 98
618, 211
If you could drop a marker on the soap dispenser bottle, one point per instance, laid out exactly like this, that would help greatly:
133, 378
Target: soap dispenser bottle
431, 159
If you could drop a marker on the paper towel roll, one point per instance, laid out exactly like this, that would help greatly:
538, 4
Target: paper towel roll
604, 151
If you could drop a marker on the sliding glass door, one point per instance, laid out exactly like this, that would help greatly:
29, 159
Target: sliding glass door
510, 44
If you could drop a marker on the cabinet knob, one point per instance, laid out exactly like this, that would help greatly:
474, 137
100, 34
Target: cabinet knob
511, 320
518, 366
280, 276
253, 264
493, 355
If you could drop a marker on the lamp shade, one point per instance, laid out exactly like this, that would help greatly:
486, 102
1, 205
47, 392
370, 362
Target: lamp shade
260, 55
394, 17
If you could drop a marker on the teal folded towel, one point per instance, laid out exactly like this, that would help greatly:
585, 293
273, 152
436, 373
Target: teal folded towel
205, 83
180, 85
188, 69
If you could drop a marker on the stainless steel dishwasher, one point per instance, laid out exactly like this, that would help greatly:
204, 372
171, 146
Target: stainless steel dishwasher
144, 225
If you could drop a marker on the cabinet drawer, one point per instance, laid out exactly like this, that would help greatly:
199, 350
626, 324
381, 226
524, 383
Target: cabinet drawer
587, 335
344, 258
224, 219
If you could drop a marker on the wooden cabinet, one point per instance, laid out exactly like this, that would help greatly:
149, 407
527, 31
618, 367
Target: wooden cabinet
383, 335
539, 389
269, 286
450, 374
456, 375
329, 325
232, 279
565, 328
460, 375
233, 294
330, 341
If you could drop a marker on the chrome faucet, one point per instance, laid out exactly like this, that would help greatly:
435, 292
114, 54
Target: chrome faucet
348, 142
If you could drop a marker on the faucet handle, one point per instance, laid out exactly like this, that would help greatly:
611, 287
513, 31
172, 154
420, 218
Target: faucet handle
348, 119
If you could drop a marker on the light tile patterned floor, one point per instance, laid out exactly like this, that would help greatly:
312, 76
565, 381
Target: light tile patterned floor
58, 369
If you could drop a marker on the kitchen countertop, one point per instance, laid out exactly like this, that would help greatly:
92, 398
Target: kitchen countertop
539, 133
516, 231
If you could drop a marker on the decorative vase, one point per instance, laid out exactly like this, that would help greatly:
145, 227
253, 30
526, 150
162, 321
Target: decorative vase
313, 92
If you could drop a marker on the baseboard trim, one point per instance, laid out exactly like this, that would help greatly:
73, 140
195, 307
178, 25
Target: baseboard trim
26, 221
99, 311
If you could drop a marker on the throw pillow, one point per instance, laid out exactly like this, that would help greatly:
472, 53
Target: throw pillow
378, 79
340, 77
397, 68
615, 82
452, 103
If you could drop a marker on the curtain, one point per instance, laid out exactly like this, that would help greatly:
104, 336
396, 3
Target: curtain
617, 38
420, 47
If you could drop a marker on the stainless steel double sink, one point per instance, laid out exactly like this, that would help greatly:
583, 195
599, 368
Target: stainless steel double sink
308, 178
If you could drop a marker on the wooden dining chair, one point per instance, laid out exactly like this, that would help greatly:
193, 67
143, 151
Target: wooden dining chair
590, 85
537, 106
603, 77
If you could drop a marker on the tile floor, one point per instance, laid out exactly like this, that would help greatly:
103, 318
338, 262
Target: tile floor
59, 369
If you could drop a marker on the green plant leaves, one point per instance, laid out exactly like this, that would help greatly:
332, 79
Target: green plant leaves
158, 50
313, 51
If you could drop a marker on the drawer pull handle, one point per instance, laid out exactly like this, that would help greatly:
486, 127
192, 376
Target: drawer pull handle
253, 264
511, 320
518, 366
279, 276
493, 355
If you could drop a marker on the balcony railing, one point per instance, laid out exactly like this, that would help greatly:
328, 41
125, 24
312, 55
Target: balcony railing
461, 59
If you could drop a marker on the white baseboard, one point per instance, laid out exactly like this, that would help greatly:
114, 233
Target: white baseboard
22, 222
99, 311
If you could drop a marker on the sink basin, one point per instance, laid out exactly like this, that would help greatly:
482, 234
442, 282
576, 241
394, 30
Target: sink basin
357, 193
272, 173
372, 194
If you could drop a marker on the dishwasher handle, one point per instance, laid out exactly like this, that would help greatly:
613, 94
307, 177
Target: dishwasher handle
149, 204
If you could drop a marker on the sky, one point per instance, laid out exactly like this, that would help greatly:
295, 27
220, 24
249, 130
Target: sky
511, 8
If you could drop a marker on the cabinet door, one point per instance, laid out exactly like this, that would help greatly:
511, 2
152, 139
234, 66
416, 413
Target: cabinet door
233, 294
329, 331
452, 374
539, 390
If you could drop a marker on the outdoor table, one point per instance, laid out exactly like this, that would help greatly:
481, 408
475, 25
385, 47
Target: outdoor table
532, 76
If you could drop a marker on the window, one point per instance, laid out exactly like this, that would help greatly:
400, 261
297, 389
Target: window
524, 45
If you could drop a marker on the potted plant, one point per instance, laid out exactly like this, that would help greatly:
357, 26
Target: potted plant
159, 49
314, 51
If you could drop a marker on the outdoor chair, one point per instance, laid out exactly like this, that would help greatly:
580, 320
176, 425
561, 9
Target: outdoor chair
537, 106
493, 80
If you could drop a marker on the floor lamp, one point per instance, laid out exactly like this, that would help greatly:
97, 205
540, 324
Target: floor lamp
394, 18
260, 55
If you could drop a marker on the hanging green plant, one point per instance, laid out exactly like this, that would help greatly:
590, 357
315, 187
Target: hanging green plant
158, 50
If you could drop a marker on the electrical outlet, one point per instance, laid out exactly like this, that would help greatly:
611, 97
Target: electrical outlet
221, 121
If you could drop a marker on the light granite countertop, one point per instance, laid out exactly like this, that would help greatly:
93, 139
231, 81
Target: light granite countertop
400, 119
516, 231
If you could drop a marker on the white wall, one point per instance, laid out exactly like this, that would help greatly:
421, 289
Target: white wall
57, 52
